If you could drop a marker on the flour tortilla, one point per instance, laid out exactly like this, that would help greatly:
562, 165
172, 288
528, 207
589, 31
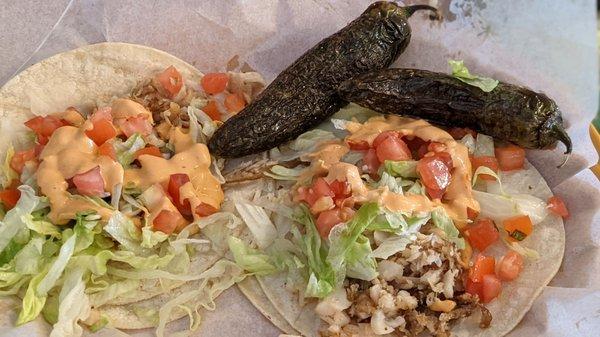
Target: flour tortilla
85, 78
548, 239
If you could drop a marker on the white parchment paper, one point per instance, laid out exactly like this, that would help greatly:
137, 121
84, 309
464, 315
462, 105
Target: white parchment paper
548, 45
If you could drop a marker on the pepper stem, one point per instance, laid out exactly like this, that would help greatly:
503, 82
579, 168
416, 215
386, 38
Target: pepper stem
564, 138
410, 10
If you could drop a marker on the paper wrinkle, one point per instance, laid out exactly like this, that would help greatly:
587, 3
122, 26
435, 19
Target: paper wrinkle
549, 46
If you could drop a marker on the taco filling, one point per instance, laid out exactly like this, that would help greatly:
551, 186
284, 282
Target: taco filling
397, 227
121, 204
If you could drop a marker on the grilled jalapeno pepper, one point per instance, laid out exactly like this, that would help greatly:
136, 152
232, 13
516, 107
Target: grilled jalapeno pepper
304, 94
509, 112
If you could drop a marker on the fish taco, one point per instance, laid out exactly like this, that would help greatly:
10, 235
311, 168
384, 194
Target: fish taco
385, 225
113, 213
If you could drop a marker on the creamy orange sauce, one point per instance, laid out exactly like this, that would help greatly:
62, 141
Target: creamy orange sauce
70, 152
71, 115
458, 195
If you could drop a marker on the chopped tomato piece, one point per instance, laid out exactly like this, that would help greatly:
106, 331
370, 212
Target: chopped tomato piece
167, 221
308, 195
510, 157
9, 197
234, 103
341, 189
510, 266
138, 124
44, 126
482, 234
392, 148
108, 150
90, 183
371, 162
491, 286
383, 136
171, 80
327, 220
487, 161
358, 145
518, 227
459, 133
436, 147
175, 182
322, 188
472, 214
434, 174
212, 110
102, 131
102, 113
214, 83
148, 150
446, 158
19, 159
484, 265
557, 206
473, 288
205, 209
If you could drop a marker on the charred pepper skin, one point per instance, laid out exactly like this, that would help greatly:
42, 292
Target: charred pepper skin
509, 112
304, 94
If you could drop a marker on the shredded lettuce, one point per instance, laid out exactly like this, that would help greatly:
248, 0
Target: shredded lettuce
361, 264
124, 231
393, 184
402, 168
279, 172
442, 221
250, 259
392, 245
460, 71
8, 174
74, 305
309, 140
484, 146
469, 142
126, 150
501, 207
12, 222
257, 220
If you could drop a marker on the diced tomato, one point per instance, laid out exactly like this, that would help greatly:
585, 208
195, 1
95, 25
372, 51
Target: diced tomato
148, 150
383, 136
446, 158
205, 209
212, 110
327, 220
19, 159
487, 161
510, 266
473, 288
510, 157
358, 145
482, 234
341, 189
102, 130
9, 197
322, 188
138, 124
459, 133
90, 183
472, 214
175, 182
308, 195
108, 150
436, 147
234, 103
44, 126
484, 265
214, 83
434, 174
371, 161
167, 221
171, 80
518, 227
491, 288
392, 148
557, 206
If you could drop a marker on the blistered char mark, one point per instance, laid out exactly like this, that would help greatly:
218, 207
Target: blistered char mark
304, 94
